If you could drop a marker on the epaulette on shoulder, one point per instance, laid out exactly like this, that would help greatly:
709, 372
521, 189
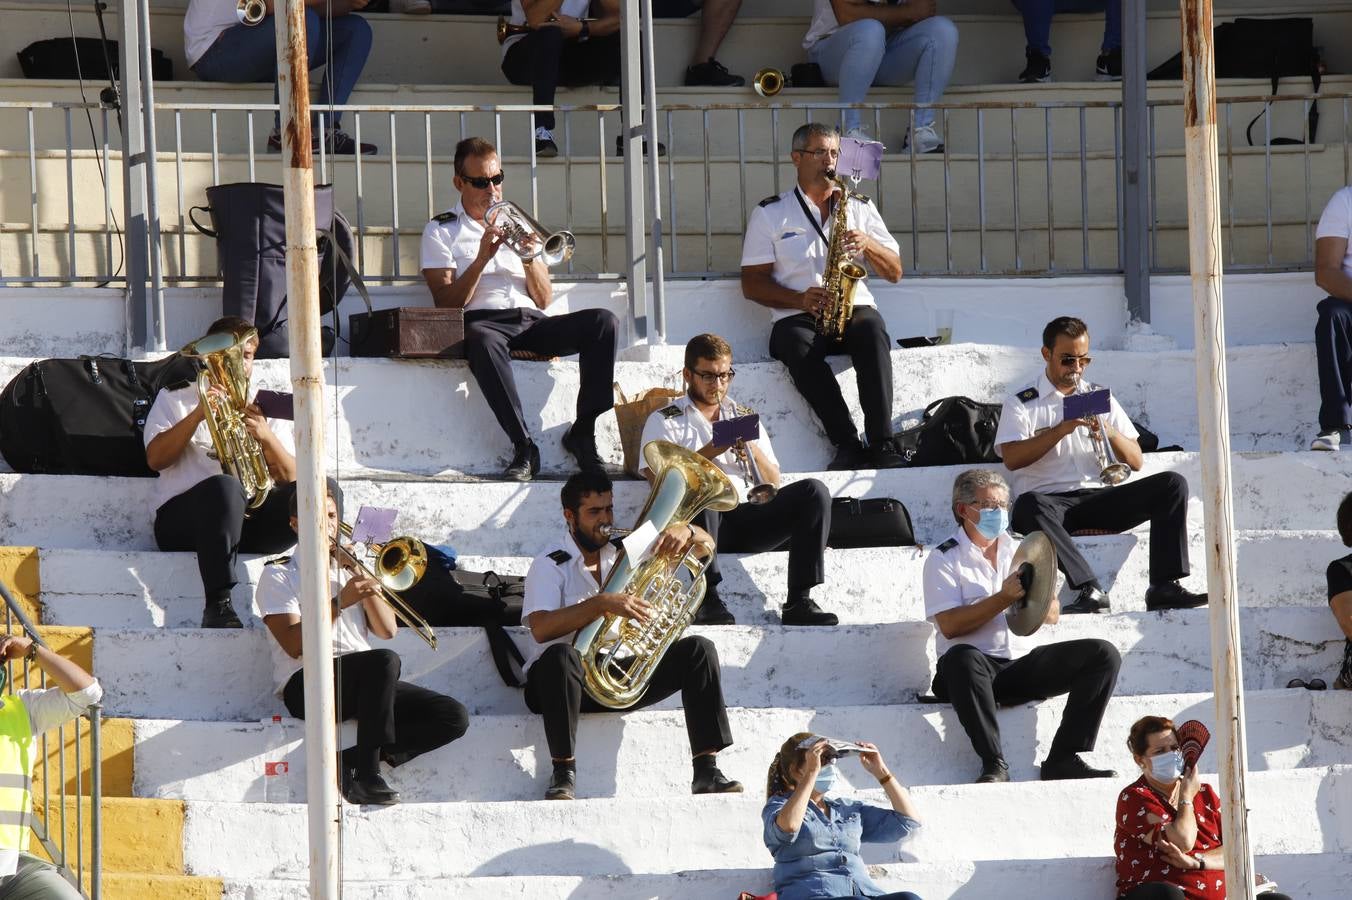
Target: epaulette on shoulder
862, 198
1027, 395
446, 217
768, 201
670, 412
560, 557
948, 545
278, 561
180, 385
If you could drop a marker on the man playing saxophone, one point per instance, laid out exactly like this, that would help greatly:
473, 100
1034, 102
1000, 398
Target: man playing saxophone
564, 594
788, 240
198, 506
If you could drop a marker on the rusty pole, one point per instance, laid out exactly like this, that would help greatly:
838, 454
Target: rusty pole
1204, 240
307, 383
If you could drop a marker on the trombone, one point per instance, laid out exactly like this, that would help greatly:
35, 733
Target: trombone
396, 565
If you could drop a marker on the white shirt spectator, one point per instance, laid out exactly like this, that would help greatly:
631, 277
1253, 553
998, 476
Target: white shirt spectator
958, 574
558, 578
575, 8
1072, 463
198, 460
682, 423
823, 22
278, 593
780, 231
451, 241
1336, 222
203, 23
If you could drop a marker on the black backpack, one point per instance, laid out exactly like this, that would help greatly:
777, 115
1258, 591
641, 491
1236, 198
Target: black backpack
954, 431
84, 416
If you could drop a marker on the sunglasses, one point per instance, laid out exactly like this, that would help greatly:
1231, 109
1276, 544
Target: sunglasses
482, 182
1076, 360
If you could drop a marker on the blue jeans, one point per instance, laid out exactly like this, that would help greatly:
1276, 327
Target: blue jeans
861, 54
1037, 20
248, 53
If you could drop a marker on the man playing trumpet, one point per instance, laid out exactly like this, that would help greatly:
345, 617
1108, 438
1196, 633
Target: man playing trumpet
1060, 477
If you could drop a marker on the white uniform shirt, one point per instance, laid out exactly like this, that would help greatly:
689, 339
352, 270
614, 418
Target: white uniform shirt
780, 232
278, 593
203, 23
198, 460
957, 574
558, 578
577, 9
1072, 463
451, 241
1336, 222
682, 423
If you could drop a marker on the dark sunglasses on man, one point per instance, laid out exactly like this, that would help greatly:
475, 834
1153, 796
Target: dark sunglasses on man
482, 182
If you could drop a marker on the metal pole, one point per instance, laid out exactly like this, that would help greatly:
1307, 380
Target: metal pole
1204, 244
659, 332
133, 179
155, 338
307, 383
1135, 159
631, 138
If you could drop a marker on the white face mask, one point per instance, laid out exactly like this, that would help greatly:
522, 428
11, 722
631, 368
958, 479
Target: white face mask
1167, 767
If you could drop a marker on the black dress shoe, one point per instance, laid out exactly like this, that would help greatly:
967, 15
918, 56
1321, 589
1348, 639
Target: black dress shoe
712, 781
563, 784
1091, 599
1172, 595
995, 771
525, 463
1072, 767
619, 146
807, 612
713, 611
848, 458
370, 791
220, 615
883, 455
583, 450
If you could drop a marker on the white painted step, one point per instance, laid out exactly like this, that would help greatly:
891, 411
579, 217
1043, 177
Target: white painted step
227, 676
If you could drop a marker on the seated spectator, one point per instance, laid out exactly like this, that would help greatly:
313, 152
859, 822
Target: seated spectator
220, 48
1037, 31
396, 721
815, 838
858, 44
716, 17
1168, 825
1333, 330
1340, 593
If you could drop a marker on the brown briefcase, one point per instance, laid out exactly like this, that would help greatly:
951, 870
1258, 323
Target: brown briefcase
409, 332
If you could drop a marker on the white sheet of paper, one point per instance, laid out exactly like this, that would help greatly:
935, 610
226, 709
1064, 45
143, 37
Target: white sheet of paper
638, 542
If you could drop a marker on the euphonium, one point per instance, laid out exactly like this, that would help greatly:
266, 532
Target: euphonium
527, 237
240, 455
250, 12
619, 655
397, 565
842, 275
768, 81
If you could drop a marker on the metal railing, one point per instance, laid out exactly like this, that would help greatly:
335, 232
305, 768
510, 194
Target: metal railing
51, 808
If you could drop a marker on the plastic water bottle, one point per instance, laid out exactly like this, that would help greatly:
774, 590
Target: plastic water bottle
276, 770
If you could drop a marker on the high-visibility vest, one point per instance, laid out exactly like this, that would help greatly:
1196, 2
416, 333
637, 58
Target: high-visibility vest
17, 751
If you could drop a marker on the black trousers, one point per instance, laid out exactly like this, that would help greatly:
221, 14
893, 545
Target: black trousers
492, 335
1157, 890
1161, 498
545, 59
208, 518
799, 516
399, 719
1333, 352
794, 342
554, 691
974, 683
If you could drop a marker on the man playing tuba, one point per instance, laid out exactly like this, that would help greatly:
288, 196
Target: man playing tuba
564, 594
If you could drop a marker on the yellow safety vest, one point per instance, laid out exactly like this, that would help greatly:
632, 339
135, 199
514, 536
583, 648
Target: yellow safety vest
17, 751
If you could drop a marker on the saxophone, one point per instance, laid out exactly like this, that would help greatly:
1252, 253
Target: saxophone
842, 275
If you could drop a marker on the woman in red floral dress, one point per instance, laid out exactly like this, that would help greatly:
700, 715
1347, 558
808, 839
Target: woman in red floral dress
1167, 840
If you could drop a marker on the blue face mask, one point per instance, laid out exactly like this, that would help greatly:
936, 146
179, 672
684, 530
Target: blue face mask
826, 779
993, 523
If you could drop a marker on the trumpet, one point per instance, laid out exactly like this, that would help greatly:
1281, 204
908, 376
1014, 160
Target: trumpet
509, 29
250, 12
527, 237
1112, 470
396, 565
768, 81
758, 490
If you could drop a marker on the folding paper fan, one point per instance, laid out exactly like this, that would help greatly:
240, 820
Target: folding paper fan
1192, 740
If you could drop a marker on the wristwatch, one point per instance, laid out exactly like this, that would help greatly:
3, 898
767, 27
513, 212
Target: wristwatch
584, 32
32, 653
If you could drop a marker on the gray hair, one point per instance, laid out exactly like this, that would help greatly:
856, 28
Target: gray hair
804, 132
966, 485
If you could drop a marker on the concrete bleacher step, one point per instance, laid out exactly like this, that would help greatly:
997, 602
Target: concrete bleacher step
214, 683
644, 754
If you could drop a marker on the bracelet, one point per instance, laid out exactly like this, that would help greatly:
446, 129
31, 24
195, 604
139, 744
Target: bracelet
32, 653
885, 779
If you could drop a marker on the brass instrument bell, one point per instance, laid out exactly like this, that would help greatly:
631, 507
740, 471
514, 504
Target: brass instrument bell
768, 81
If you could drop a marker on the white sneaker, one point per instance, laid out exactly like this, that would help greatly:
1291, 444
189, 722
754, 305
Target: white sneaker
927, 140
411, 7
1326, 440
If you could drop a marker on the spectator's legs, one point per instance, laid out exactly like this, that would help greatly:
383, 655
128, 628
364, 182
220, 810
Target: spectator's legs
794, 342
924, 52
849, 57
1037, 23
208, 519
242, 54
1112, 25
534, 60
423, 721
1333, 352
716, 18
351, 37
487, 336
37, 880
1157, 890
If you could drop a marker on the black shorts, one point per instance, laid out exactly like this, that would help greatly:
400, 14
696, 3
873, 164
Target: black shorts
674, 9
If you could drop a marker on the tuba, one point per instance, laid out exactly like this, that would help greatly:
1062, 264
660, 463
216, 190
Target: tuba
240, 455
250, 12
398, 564
619, 655
842, 275
527, 237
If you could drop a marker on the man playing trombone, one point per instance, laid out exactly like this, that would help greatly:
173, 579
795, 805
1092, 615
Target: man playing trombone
1061, 468
396, 721
468, 265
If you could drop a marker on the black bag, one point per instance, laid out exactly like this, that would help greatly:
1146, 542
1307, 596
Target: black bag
84, 416
248, 221
806, 75
954, 431
83, 58
876, 522
446, 595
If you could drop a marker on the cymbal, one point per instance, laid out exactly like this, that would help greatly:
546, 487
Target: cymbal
1027, 616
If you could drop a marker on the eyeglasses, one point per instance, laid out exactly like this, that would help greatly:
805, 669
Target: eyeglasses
711, 377
482, 182
990, 504
833, 152
1067, 360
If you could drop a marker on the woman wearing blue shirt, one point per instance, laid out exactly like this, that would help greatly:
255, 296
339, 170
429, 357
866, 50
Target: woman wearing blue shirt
815, 838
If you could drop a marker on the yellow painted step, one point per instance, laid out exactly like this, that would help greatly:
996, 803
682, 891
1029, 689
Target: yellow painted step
141, 835
19, 572
116, 737
131, 886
